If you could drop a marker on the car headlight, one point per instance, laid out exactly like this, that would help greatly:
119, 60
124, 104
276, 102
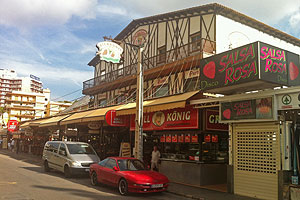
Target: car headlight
76, 164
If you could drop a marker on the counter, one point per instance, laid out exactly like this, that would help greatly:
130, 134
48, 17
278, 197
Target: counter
194, 173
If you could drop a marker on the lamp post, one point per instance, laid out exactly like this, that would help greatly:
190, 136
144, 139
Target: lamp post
138, 146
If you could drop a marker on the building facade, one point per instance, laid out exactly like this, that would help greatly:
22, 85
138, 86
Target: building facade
24, 106
180, 50
54, 108
9, 81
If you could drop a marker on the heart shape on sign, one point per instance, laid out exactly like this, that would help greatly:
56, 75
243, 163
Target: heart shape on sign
209, 70
227, 113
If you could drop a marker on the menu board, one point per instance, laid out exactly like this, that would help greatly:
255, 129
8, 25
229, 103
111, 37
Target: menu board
187, 138
163, 138
207, 138
214, 138
195, 138
168, 138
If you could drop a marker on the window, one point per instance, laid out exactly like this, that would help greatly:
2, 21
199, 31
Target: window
102, 102
80, 149
111, 163
162, 54
120, 70
62, 149
195, 42
102, 75
120, 99
130, 165
103, 162
52, 146
161, 91
192, 85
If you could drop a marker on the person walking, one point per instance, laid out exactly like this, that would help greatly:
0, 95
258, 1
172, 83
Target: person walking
155, 158
12, 145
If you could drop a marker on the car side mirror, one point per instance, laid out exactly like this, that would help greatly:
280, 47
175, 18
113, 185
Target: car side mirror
116, 169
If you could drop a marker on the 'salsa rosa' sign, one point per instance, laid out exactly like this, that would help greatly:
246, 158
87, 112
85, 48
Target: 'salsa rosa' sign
109, 51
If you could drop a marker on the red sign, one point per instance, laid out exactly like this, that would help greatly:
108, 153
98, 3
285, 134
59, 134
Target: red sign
180, 118
195, 138
168, 138
180, 138
187, 138
212, 121
174, 138
214, 138
162, 138
113, 120
12, 125
207, 138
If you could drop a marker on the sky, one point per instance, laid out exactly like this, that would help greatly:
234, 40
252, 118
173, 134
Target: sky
54, 39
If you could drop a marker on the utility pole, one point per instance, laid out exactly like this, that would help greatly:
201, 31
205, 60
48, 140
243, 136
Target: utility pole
138, 147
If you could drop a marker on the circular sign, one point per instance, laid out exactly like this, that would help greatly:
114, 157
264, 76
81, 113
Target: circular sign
94, 125
158, 118
139, 37
286, 99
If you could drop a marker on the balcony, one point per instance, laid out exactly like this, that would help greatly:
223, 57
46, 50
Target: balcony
184, 53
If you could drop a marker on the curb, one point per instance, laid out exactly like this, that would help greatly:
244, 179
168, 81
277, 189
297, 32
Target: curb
185, 195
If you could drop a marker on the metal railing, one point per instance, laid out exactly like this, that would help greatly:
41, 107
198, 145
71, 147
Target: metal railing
194, 48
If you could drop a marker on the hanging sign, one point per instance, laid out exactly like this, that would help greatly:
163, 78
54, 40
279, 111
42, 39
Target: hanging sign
168, 138
207, 138
163, 138
180, 118
94, 125
174, 138
187, 138
180, 138
113, 120
12, 125
109, 51
195, 138
212, 121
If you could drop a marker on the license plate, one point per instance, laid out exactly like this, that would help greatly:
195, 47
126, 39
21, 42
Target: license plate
87, 170
157, 186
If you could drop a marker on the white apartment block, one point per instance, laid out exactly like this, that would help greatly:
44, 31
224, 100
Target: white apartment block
9, 81
54, 107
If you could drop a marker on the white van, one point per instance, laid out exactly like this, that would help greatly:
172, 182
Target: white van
69, 157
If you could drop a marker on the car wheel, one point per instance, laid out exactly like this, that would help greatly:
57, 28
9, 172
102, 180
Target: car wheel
46, 166
67, 172
123, 187
94, 179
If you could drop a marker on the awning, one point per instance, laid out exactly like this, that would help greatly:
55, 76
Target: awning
53, 121
164, 103
25, 125
88, 116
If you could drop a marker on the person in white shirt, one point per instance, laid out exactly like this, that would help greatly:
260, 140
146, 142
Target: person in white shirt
155, 158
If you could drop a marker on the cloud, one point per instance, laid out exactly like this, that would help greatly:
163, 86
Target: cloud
295, 20
30, 13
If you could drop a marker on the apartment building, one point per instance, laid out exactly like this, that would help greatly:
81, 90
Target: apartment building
9, 81
24, 106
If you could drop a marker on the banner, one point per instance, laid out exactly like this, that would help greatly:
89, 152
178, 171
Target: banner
180, 118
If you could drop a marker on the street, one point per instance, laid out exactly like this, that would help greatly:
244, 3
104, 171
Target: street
20, 180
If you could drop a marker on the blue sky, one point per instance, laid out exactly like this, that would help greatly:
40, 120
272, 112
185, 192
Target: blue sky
55, 39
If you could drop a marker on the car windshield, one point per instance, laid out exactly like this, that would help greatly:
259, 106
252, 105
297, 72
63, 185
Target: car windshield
80, 149
130, 165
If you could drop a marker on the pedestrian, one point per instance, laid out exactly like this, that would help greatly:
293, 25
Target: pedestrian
12, 145
155, 158
17, 146
9, 145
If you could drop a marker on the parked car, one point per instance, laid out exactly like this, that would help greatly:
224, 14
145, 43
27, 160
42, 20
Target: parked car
69, 157
128, 174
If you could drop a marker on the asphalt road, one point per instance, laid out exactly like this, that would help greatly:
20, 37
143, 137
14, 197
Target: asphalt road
21, 180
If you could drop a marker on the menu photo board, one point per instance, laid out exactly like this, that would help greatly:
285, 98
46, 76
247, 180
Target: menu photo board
174, 138
253, 109
181, 138
168, 138
194, 138
187, 138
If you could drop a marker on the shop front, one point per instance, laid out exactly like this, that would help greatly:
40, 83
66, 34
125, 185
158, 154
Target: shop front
193, 144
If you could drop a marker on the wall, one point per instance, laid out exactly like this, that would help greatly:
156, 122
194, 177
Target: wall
233, 34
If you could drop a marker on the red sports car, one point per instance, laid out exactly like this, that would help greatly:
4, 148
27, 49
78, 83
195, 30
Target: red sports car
128, 174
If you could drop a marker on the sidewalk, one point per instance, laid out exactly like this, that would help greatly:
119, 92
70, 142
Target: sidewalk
175, 188
203, 194
25, 157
